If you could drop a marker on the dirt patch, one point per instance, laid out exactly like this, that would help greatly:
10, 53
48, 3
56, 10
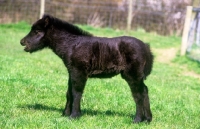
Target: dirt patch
192, 74
165, 55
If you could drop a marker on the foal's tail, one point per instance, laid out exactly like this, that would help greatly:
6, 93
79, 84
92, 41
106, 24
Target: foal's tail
149, 61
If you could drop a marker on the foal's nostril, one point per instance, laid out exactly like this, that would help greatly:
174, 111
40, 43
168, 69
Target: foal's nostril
22, 42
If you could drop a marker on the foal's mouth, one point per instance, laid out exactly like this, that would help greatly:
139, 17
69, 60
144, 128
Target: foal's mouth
26, 47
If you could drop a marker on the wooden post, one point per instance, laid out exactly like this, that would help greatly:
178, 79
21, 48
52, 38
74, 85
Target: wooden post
42, 7
129, 18
186, 30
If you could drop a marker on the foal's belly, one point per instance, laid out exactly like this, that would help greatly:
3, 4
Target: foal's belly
108, 73
103, 75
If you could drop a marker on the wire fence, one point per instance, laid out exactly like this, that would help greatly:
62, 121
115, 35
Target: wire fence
164, 17
193, 47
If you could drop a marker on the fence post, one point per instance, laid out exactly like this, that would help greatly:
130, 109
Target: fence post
42, 7
130, 11
186, 30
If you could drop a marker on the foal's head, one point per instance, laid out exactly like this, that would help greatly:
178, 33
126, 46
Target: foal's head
35, 39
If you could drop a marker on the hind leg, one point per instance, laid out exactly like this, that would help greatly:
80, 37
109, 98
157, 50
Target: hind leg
147, 109
140, 94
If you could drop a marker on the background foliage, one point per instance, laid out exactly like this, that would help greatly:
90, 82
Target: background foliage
164, 17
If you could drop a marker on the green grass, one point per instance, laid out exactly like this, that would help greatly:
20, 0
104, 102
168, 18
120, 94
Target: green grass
33, 86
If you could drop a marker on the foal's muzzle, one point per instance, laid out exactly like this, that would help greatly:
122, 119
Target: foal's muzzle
22, 42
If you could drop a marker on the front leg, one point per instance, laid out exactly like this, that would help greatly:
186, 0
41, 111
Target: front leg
76, 108
76, 84
68, 107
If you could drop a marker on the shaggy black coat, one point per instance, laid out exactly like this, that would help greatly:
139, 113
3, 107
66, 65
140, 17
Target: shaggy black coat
87, 56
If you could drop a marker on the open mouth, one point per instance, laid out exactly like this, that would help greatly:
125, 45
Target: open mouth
26, 48
25, 44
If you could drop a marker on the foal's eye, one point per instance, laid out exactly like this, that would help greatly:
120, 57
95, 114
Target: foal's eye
37, 31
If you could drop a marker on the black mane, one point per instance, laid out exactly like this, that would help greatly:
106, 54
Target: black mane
67, 26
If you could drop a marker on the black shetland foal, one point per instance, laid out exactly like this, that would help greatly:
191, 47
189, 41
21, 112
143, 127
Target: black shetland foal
87, 56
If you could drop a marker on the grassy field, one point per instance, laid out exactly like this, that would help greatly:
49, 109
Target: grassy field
33, 86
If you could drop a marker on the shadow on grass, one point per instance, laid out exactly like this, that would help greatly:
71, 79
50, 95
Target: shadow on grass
107, 113
84, 111
40, 107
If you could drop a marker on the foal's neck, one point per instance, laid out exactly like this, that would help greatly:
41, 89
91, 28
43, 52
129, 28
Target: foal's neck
61, 43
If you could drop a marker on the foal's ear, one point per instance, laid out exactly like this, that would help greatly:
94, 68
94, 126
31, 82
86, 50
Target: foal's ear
47, 20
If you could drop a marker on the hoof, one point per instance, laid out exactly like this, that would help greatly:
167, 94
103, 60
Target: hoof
75, 115
144, 119
137, 120
66, 113
148, 119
